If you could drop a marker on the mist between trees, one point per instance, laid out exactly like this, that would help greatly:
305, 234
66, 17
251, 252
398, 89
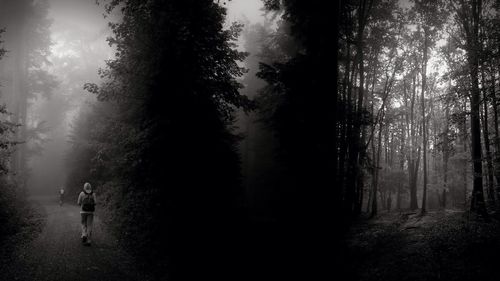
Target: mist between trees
200, 136
418, 122
417, 145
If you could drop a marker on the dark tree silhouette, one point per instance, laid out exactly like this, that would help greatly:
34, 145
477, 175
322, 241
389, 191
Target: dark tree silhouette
163, 152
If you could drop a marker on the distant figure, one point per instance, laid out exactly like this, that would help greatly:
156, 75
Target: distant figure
61, 196
389, 203
87, 201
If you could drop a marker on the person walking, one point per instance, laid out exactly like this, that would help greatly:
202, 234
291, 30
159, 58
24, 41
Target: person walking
87, 201
61, 196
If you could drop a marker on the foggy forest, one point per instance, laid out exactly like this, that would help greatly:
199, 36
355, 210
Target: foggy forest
249, 140
157, 140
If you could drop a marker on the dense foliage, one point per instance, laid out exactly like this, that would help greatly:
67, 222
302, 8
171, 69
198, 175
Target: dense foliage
6, 143
158, 146
296, 104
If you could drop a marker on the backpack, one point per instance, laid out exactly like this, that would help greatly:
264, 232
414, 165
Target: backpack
88, 204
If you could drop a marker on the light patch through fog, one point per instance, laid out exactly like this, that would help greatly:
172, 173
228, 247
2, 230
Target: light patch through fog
60, 49
79, 31
79, 48
242, 10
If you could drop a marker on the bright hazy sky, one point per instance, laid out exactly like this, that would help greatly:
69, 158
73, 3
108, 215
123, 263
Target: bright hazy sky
84, 19
79, 26
249, 9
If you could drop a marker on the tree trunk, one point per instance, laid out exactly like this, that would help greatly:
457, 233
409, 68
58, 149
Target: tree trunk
401, 163
497, 137
445, 148
486, 137
376, 173
415, 155
424, 121
477, 201
386, 91
464, 174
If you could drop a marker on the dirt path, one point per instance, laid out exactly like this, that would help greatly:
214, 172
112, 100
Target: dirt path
58, 254
442, 245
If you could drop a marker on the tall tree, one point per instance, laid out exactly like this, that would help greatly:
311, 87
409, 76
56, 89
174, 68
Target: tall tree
28, 41
430, 17
163, 143
303, 113
7, 131
468, 18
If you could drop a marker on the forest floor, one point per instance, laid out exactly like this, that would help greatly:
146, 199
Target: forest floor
442, 245
56, 252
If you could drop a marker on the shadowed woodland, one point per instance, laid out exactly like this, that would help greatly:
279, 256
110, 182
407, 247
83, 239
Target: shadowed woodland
361, 141
207, 141
418, 138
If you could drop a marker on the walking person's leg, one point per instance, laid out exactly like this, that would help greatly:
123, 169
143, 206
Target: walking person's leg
90, 226
84, 227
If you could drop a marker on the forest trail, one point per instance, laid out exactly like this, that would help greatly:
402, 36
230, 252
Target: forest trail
442, 245
58, 254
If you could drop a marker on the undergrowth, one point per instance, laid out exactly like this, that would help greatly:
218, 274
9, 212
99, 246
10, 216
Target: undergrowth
438, 246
